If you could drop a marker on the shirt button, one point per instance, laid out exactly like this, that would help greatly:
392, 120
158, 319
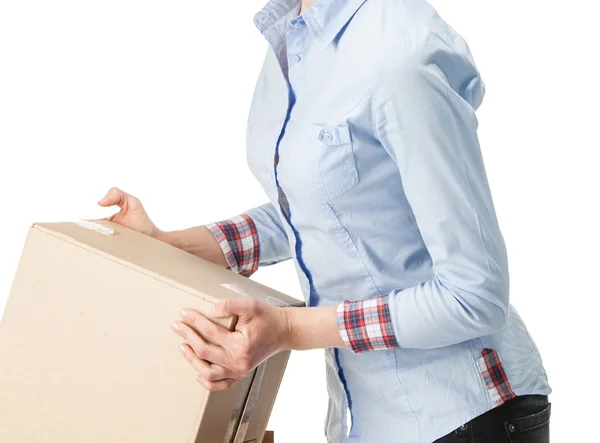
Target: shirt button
325, 137
296, 58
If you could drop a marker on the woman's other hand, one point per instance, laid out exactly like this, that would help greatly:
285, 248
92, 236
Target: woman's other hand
131, 212
197, 240
222, 357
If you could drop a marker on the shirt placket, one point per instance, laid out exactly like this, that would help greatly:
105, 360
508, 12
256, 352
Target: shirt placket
296, 36
295, 42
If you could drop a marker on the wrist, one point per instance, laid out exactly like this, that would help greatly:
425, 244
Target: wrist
163, 236
290, 327
311, 328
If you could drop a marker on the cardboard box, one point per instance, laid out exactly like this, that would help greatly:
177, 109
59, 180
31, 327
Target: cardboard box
87, 353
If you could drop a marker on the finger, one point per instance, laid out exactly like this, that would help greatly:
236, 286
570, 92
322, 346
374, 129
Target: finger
213, 386
206, 370
242, 307
210, 331
202, 349
113, 197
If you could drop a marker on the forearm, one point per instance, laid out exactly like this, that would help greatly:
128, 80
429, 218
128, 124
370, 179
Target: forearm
313, 328
240, 243
198, 241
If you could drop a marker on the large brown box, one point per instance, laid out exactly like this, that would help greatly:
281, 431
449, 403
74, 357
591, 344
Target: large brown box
86, 350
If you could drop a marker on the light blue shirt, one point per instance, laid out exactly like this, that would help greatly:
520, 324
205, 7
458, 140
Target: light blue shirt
380, 189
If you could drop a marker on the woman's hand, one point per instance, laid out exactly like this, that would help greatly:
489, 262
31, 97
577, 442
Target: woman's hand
222, 357
197, 240
131, 214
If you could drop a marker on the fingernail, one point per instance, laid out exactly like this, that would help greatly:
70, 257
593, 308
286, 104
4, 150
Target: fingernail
182, 313
182, 349
175, 326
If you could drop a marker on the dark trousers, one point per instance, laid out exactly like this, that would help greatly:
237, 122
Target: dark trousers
524, 419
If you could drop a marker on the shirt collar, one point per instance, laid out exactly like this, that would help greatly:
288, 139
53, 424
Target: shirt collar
325, 18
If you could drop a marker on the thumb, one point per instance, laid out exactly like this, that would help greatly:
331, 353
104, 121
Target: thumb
242, 307
113, 197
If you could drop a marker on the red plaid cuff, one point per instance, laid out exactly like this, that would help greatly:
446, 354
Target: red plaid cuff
238, 239
366, 325
494, 376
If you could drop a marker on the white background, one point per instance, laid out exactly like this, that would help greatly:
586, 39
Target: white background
152, 96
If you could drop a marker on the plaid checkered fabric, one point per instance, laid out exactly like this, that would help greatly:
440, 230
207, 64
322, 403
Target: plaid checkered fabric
366, 325
238, 239
494, 376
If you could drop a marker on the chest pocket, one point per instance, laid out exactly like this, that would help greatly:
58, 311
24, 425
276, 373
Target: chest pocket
336, 162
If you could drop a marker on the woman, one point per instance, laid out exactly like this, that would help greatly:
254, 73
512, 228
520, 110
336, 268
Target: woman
362, 132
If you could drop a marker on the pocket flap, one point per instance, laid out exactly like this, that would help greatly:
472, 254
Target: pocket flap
333, 135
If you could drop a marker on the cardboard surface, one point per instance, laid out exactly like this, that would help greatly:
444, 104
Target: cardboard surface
86, 350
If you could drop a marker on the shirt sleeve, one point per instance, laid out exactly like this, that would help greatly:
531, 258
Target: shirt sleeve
253, 239
424, 112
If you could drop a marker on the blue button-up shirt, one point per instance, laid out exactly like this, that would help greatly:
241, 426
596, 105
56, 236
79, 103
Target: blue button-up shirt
363, 134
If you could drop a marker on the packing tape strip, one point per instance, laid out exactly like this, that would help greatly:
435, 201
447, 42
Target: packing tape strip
250, 403
105, 230
277, 302
236, 416
260, 296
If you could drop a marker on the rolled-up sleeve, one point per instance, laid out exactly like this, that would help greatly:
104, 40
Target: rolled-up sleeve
424, 117
253, 239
